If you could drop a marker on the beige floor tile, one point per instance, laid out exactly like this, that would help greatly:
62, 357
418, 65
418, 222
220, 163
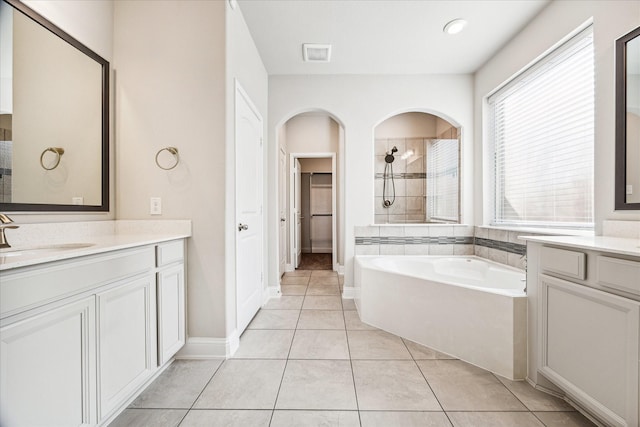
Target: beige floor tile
323, 273
421, 352
494, 419
285, 302
323, 290
293, 289
404, 419
149, 417
535, 400
264, 344
322, 303
286, 418
179, 385
243, 384
321, 319
564, 419
460, 386
324, 280
294, 280
275, 319
353, 322
226, 418
317, 384
298, 273
392, 386
376, 345
313, 344
348, 304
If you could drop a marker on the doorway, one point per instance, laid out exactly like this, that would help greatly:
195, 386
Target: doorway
313, 231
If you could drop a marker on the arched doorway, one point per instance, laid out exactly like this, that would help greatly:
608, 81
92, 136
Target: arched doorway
417, 170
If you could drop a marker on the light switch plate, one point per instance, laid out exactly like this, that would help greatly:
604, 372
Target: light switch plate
155, 206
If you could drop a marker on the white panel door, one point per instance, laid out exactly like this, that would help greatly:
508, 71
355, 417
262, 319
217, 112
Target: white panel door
47, 368
126, 341
282, 200
248, 128
297, 208
171, 317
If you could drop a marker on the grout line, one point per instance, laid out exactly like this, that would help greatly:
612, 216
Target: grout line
202, 391
353, 375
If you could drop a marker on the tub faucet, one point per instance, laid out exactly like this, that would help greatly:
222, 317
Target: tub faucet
4, 221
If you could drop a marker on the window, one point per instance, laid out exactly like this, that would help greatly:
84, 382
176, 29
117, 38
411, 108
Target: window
442, 180
542, 129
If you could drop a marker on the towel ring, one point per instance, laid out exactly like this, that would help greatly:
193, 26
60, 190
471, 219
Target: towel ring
58, 152
174, 152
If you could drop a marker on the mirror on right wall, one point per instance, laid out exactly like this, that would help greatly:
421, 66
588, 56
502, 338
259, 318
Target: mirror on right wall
627, 191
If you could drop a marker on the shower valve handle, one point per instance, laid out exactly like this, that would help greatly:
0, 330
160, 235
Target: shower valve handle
243, 227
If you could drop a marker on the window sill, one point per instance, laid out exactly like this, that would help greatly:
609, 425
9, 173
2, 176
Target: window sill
541, 230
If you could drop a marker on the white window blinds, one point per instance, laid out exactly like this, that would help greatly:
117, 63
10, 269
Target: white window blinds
443, 179
542, 128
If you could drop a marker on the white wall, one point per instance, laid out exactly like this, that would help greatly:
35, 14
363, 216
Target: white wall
317, 133
244, 65
611, 19
90, 22
361, 103
315, 165
175, 87
407, 125
170, 91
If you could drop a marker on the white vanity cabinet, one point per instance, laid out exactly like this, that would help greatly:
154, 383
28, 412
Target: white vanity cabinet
47, 371
126, 340
587, 341
81, 337
171, 304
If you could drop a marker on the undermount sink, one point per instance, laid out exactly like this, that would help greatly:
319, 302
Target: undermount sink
13, 252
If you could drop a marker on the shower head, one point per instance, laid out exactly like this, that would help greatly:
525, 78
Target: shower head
389, 157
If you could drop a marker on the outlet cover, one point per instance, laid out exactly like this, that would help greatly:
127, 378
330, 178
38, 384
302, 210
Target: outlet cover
629, 189
155, 206
77, 200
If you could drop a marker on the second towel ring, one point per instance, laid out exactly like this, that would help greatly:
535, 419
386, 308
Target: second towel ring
58, 152
174, 152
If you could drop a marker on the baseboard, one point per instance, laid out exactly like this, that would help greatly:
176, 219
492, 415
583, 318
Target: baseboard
209, 348
340, 269
348, 292
271, 292
289, 268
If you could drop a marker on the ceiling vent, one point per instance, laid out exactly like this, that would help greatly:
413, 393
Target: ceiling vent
316, 52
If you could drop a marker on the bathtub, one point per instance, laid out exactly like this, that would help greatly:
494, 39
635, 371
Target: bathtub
464, 306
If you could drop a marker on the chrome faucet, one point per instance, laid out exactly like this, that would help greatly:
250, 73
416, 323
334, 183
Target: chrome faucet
4, 221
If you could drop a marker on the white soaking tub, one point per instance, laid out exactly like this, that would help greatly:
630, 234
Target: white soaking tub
465, 306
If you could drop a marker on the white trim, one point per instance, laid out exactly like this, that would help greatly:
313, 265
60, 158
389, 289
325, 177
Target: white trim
348, 292
334, 208
271, 292
289, 268
340, 269
209, 348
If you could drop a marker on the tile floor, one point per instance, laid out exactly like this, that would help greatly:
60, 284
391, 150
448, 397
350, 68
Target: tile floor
306, 359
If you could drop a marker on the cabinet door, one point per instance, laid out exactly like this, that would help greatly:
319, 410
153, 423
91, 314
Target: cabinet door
171, 317
589, 348
126, 341
47, 368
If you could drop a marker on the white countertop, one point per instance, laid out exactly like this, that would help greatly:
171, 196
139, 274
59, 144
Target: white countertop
616, 245
43, 243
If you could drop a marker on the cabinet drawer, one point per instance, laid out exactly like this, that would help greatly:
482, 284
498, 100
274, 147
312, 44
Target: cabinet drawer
564, 262
170, 252
32, 287
619, 274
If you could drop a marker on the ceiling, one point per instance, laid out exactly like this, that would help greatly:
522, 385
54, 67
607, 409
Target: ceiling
384, 36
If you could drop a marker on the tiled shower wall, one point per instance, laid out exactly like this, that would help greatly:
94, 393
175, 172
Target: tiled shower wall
409, 177
502, 246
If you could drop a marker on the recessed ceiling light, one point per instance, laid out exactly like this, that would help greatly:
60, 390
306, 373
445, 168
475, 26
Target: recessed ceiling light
455, 26
316, 52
